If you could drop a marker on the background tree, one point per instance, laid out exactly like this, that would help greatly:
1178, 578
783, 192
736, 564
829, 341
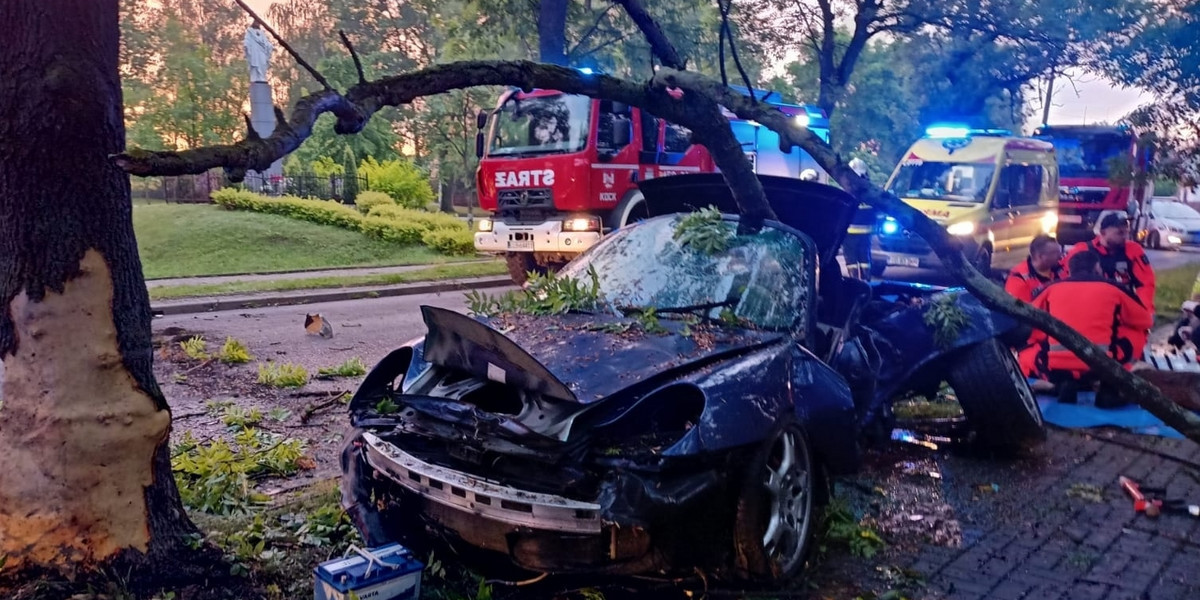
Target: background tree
349, 175
85, 475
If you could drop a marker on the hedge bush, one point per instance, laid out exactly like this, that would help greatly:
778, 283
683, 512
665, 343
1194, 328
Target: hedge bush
321, 212
390, 230
369, 200
400, 179
384, 220
429, 220
456, 242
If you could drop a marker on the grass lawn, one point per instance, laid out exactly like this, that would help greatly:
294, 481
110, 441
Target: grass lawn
1173, 286
311, 283
190, 240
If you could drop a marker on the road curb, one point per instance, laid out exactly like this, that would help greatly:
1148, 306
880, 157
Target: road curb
413, 267
219, 303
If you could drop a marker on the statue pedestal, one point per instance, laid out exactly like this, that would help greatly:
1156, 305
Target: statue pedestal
262, 118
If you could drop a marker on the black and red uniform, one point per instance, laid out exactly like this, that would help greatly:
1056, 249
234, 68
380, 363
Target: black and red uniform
1109, 315
1024, 282
1128, 266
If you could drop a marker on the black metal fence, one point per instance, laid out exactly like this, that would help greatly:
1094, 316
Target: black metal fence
198, 188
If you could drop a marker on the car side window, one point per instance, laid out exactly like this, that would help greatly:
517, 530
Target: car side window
677, 139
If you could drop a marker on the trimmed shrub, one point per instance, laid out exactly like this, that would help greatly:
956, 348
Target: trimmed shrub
350, 175
366, 201
390, 230
430, 221
322, 212
400, 179
455, 242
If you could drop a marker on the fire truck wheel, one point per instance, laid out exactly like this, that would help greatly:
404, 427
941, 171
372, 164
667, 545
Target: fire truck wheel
996, 398
520, 264
631, 210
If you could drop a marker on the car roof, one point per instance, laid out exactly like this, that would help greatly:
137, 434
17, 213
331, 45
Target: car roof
821, 211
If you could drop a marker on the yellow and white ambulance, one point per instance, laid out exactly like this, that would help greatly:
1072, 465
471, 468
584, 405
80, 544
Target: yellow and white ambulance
995, 190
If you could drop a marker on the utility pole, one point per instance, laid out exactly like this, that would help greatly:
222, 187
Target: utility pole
1049, 97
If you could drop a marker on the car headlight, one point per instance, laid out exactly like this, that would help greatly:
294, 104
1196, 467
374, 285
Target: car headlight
582, 224
963, 228
485, 225
1174, 240
1049, 223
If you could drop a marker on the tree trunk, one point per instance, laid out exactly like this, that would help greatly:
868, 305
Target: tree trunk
85, 474
552, 32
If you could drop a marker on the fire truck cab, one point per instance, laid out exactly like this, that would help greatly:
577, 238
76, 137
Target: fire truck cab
558, 171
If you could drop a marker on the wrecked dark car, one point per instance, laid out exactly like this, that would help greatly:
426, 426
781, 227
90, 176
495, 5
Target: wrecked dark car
678, 401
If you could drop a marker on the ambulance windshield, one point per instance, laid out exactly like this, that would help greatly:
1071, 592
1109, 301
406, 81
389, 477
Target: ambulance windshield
540, 125
957, 182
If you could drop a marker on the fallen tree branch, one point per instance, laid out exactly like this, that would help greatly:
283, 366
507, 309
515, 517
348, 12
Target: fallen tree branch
312, 409
949, 249
697, 112
362, 78
682, 97
659, 44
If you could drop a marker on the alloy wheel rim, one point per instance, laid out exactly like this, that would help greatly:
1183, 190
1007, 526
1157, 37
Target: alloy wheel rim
788, 479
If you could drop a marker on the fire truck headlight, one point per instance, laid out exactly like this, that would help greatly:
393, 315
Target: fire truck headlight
485, 225
582, 224
963, 228
1049, 223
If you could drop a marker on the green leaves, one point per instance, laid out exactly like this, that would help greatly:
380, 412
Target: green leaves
354, 367
400, 179
214, 477
946, 318
704, 231
542, 295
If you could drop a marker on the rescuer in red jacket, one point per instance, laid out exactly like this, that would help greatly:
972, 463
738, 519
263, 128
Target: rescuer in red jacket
1039, 270
1104, 312
1121, 260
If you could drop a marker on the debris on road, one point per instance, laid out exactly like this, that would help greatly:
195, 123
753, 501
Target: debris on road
317, 325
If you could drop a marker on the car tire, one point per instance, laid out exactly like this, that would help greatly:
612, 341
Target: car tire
1154, 241
778, 509
520, 264
983, 261
996, 398
877, 269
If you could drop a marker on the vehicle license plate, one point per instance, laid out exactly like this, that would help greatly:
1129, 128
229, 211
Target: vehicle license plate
904, 261
520, 244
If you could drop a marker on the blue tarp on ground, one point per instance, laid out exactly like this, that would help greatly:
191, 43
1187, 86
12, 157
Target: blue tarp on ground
1084, 414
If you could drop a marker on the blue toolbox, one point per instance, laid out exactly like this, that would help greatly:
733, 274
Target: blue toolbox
385, 573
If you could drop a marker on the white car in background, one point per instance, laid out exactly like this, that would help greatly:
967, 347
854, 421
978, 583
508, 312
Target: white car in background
1169, 224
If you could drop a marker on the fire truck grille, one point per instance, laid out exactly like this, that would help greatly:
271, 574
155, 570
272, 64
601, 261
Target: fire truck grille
522, 199
1084, 197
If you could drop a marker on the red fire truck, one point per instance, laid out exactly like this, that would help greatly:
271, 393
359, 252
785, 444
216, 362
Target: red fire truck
1086, 191
558, 171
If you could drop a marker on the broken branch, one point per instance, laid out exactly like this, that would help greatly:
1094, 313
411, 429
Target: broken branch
278, 38
662, 47
362, 78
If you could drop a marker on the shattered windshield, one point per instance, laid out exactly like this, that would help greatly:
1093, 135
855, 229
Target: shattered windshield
541, 125
759, 278
926, 180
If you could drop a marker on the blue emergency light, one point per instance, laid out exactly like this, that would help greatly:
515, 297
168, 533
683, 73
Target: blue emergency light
889, 226
947, 131
586, 70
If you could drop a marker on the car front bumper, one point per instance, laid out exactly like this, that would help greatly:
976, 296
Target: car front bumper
636, 524
547, 236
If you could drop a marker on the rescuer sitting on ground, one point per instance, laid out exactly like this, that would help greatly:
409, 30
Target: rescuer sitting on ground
1121, 260
1039, 270
1104, 312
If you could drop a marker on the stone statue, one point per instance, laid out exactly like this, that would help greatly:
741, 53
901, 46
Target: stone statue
258, 52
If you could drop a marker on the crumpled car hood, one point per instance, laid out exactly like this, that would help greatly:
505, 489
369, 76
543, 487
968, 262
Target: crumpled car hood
569, 357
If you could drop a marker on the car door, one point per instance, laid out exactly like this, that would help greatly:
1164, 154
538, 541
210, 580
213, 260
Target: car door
1020, 218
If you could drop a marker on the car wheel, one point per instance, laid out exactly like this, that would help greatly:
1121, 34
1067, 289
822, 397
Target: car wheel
776, 513
877, 269
520, 264
1154, 241
983, 262
631, 210
996, 398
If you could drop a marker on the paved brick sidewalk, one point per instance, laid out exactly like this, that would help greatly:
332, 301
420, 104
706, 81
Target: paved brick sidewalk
1046, 536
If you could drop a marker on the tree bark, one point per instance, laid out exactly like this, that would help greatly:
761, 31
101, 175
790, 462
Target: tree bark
552, 32
85, 475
